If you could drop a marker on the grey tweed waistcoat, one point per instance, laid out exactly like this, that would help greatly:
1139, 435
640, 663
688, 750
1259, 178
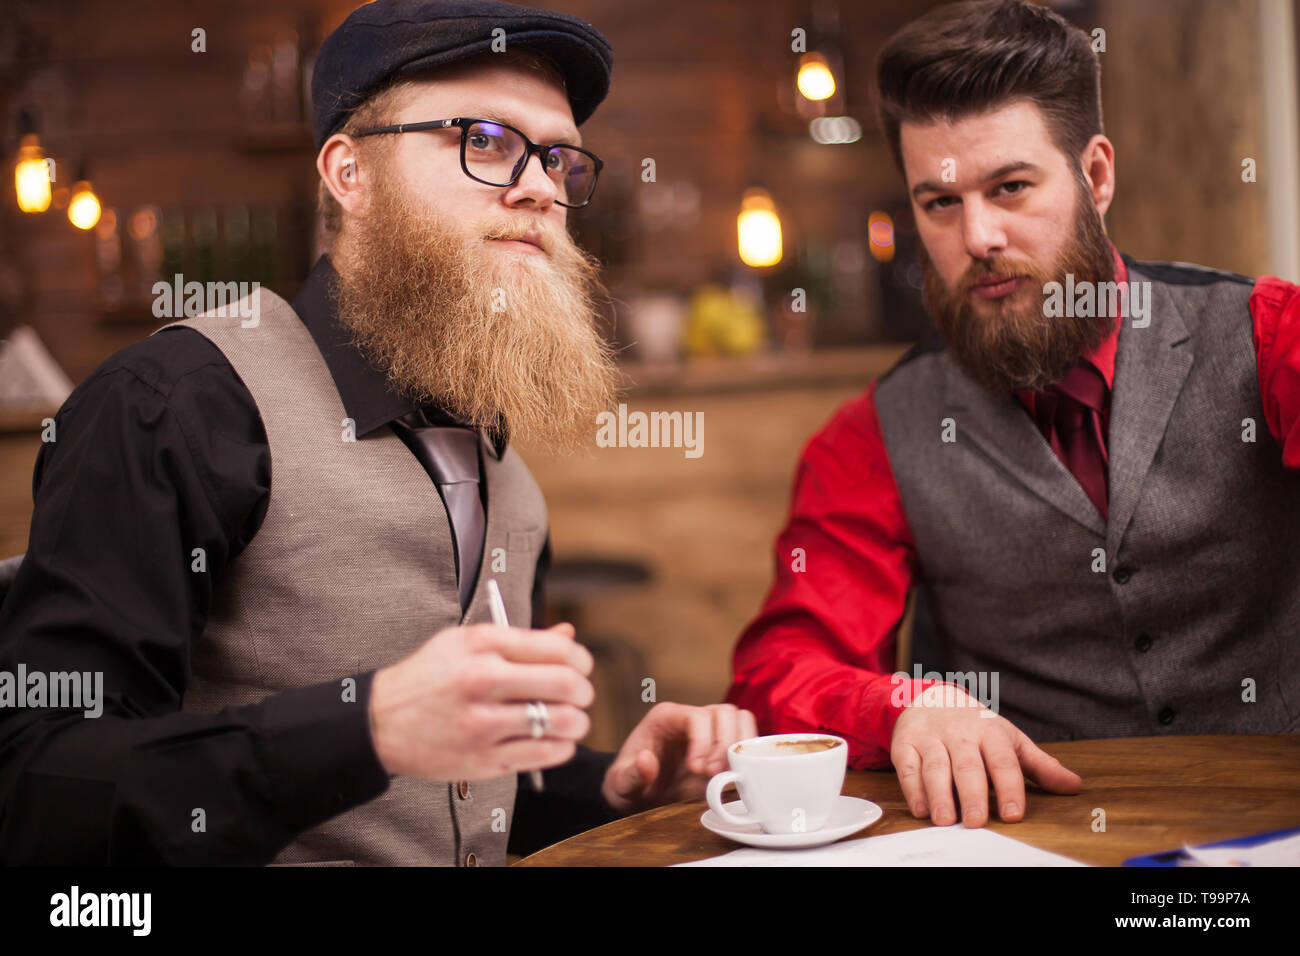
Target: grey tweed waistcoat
1178, 615
352, 569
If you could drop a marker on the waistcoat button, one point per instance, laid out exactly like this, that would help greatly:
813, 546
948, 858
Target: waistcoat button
464, 789
471, 859
1166, 716
1122, 574
1144, 642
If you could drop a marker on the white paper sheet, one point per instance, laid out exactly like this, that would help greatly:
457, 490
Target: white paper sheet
1282, 851
929, 846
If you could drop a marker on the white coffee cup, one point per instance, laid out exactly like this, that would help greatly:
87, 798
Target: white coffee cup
784, 790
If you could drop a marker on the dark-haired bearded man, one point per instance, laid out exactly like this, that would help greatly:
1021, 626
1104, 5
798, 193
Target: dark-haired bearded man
1099, 504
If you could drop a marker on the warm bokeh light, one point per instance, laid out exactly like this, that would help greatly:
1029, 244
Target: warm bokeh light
759, 230
880, 233
83, 210
835, 130
107, 225
815, 81
31, 176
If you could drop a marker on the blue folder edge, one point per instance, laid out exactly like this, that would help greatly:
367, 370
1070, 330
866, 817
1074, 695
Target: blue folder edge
1172, 857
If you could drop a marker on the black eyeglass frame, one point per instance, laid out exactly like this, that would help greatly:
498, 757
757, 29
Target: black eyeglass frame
465, 122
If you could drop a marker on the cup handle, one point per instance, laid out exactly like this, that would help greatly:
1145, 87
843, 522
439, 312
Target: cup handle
714, 795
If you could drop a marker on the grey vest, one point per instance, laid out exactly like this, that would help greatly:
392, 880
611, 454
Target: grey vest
351, 570
1198, 603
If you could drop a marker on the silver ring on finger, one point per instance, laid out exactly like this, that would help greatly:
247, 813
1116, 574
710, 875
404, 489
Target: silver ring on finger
539, 718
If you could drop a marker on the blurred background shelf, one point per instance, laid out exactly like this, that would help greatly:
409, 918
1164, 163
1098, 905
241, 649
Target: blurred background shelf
762, 372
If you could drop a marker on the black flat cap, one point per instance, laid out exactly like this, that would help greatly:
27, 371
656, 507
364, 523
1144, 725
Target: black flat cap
390, 39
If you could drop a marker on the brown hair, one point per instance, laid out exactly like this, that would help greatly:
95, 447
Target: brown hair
379, 108
375, 111
964, 58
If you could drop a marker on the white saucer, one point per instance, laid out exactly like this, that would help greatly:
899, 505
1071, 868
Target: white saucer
849, 815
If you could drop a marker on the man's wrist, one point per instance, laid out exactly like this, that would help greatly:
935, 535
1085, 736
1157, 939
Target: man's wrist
373, 706
885, 700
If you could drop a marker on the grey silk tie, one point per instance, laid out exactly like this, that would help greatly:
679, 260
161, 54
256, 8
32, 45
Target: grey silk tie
449, 453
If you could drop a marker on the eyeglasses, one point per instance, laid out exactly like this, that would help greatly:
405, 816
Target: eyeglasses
496, 154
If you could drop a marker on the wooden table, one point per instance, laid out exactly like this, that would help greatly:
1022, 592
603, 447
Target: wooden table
1157, 793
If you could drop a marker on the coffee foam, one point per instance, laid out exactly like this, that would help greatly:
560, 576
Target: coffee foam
786, 748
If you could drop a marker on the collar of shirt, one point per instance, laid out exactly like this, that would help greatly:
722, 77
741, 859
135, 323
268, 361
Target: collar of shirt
364, 389
1102, 358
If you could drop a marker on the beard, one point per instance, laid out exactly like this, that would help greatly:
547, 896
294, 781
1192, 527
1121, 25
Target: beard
1008, 344
505, 341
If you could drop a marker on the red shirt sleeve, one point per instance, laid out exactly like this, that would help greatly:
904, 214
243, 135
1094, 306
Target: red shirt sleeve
1275, 311
820, 654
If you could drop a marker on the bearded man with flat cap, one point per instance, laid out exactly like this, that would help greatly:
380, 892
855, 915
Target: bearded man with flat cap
325, 686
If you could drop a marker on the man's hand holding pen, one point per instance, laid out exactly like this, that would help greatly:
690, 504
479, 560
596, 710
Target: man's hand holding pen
457, 708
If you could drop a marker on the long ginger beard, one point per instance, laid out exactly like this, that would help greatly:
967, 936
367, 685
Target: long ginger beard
501, 339
1008, 344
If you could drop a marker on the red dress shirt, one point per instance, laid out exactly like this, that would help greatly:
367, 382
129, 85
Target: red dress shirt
820, 654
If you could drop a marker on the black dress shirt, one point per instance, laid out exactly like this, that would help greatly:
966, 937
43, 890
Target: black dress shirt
160, 448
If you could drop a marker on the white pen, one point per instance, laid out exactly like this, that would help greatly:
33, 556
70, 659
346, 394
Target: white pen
498, 608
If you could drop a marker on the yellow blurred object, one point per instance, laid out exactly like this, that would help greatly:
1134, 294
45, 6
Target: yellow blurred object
758, 230
32, 176
83, 209
721, 323
880, 235
815, 80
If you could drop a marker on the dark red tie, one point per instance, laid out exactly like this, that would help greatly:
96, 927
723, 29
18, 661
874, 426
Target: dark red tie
1070, 418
